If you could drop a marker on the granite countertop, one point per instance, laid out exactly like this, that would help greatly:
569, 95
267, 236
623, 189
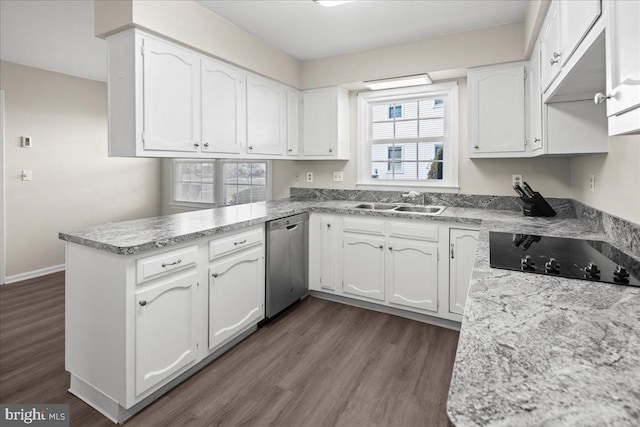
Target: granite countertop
136, 236
533, 349
541, 350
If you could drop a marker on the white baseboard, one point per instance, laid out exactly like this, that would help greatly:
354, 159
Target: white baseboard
33, 274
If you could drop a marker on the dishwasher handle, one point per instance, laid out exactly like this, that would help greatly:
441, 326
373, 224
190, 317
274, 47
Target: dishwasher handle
293, 226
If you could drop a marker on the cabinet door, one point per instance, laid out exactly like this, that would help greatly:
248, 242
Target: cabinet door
413, 274
363, 259
293, 122
223, 104
550, 47
535, 101
623, 58
577, 17
320, 122
324, 242
266, 109
463, 244
171, 97
497, 110
165, 325
236, 294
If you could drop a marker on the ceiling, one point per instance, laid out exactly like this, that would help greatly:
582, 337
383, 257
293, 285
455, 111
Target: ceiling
58, 35
306, 30
54, 35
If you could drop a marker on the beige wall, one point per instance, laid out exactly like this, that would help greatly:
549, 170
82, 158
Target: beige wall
194, 25
74, 182
550, 176
617, 176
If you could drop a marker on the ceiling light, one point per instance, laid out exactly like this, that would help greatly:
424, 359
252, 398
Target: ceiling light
422, 79
331, 3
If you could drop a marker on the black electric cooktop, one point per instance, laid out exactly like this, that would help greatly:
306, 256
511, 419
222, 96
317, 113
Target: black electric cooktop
592, 260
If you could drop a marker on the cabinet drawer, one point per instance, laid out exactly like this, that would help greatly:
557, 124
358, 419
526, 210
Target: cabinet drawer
157, 265
363, 225
417, 231
235, 242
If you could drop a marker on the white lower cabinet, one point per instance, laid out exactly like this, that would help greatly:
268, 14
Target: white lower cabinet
135, 323
324, 243
236, 294
462, 252
412, 277
165, 329
363, 258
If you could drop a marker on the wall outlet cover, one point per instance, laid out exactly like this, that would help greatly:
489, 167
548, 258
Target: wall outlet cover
516, 180
337, 176
592, 182
309, 176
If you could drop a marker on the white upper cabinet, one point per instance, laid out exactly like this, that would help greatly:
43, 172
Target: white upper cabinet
550, 46
325, 123
294, 100
223, 108
171, 99
577, 17
534, 134
497, 110
266, 116
623, 67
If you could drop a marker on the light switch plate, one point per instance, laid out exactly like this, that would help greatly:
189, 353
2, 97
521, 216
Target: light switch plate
27, 175
25, 141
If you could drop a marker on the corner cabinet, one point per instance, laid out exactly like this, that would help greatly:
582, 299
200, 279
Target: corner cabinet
162, 315
497, 108
325, 236
325, 123
462, 251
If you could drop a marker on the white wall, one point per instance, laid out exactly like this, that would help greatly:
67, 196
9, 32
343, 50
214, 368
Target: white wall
74, 182
617, 175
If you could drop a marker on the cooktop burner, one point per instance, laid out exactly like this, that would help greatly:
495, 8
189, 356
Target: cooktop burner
556, 256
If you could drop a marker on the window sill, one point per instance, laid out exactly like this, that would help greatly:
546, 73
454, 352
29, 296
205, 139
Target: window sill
399, 186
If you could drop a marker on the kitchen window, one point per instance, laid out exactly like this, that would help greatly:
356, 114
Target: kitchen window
408, 137
211, 183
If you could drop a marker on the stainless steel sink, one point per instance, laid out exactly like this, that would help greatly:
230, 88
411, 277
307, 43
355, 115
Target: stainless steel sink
376, 206
427, 210
424, 210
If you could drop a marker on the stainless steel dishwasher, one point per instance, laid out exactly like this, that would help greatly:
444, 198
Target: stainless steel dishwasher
287, 262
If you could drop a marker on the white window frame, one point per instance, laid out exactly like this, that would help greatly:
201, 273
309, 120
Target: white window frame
217, 183
449, 182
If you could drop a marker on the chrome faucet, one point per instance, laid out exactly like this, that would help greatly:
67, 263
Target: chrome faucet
413, 196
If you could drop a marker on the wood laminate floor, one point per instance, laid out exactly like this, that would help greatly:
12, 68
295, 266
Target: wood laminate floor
318, 364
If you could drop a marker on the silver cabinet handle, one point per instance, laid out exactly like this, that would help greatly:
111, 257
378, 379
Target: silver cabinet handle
476, 146
536, 140
242, 242
290, 150
143, 303
206, 144
328, 225
196, 144
250, 147
214, 275
553, 61
331, 150
600, 98
381, 246
452, 257
390, 248
176, 262
556, 55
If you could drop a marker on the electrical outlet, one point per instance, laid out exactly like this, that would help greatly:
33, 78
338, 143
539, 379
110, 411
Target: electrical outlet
592, 182
25, 141
516, 180
27, 175
337, 176
309, 176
